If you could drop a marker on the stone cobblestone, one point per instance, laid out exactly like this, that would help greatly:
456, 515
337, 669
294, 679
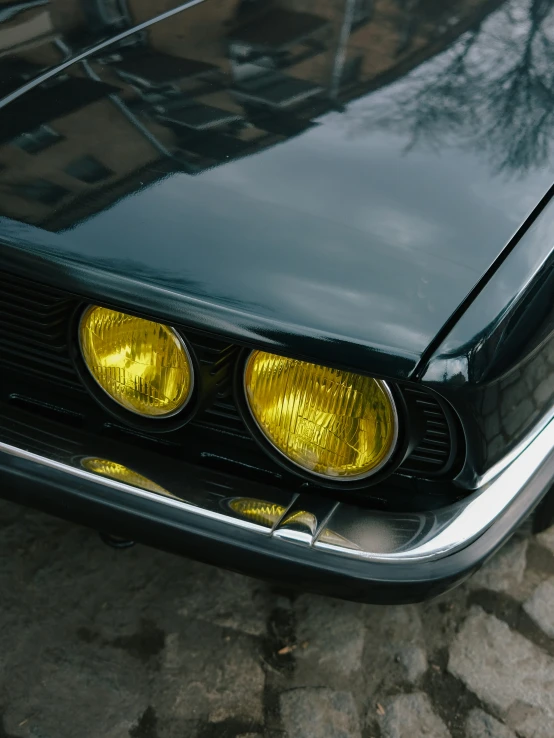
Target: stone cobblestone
540, 606
506, 671
319, 713
331, 636
411, 715
546, 539
232, 601
403, 634
505, 571
482, 725
210, 675
142, 644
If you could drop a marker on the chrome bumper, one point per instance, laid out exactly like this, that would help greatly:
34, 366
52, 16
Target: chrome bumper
303, 520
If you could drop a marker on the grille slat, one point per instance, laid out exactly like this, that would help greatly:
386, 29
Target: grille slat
33, 329
434, 453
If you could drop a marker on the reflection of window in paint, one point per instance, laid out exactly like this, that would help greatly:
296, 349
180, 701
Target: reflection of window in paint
40, 190
351, 70
276, 90
20, 30
246, 5
88, 169
280, 38
108, 13
12, 9
154, 69
246, 62
361, 12
200, 117
35, 141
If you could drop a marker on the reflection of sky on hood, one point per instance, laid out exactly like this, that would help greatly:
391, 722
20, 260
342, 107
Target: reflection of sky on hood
347, 235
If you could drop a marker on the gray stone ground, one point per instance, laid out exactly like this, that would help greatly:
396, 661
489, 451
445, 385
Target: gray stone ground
96, 643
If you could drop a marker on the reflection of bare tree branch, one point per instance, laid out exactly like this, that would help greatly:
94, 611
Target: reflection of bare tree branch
416, 13
493, 90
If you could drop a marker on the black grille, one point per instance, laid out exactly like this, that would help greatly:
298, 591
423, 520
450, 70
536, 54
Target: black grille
33, 329
435, 453
34, 335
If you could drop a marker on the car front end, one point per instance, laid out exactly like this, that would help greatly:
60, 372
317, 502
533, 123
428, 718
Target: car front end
301, 359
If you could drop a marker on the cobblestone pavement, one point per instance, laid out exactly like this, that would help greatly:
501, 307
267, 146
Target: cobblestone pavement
96, 643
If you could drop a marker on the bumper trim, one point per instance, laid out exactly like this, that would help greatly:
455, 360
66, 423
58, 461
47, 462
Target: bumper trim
438, 534
340, 530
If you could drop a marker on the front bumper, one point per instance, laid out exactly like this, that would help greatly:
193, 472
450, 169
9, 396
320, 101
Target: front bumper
312, 543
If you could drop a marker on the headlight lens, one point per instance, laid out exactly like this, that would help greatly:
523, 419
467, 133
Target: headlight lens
330, 422
142, 365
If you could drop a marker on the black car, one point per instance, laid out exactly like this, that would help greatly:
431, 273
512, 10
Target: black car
277, 280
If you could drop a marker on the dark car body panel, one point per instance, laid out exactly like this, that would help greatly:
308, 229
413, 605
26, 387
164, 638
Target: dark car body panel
496, 364
376, 197
336, 240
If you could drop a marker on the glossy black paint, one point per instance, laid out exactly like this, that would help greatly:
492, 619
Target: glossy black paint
344, 237
496, 365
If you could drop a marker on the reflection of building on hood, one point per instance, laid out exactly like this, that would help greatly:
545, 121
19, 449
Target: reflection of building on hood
24, 25
222, 80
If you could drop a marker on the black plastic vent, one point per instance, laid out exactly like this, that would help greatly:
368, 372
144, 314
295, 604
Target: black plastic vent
434, 455
33, 329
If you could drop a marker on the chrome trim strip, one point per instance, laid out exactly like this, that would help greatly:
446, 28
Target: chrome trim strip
169, 499
435, 535
304, 519
347, 530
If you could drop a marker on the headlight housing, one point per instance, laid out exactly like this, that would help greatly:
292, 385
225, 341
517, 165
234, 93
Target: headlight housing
144, 366
331, 423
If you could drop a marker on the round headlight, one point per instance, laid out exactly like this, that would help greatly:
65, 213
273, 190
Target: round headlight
144, 366
330, 422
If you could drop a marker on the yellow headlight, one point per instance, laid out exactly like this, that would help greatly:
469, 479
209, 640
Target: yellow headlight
120, 473
331, 422
142, 365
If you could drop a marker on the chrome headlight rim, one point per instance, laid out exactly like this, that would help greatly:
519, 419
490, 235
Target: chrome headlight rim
153, 423
382, 470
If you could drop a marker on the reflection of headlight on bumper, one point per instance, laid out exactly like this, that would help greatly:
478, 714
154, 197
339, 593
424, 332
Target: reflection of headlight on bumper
121, 473
302, 521
257, 510
356, 552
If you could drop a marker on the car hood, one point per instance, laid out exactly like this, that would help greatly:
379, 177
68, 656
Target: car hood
332, 183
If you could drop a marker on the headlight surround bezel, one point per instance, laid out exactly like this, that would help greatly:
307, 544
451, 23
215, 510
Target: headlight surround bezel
385, 468
134, 419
